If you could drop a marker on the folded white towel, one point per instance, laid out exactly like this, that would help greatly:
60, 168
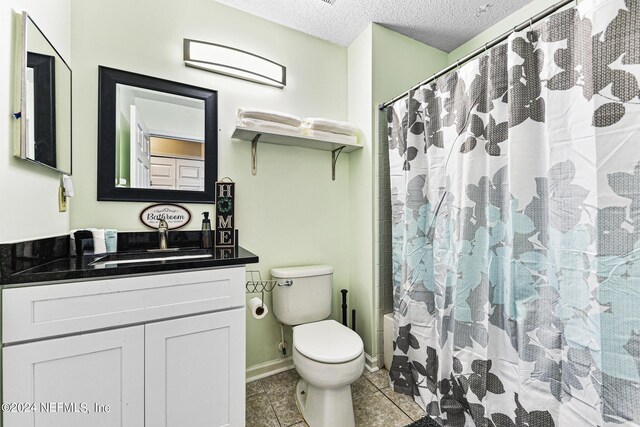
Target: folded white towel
270, 116
327, 125
330, 136
267, 126
99, 246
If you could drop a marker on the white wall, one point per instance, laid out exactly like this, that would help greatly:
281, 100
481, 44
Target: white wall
291, 213
29, 193
172, 120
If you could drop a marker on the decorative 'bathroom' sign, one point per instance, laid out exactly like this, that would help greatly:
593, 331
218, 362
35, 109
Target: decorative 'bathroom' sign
176, 216
226, 237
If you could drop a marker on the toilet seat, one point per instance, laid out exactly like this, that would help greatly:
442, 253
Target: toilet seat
327, 341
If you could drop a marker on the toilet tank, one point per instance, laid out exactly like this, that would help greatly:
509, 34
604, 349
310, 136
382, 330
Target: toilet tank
308, 299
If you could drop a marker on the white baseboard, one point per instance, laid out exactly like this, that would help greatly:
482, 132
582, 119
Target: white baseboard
269, 368
371, 363
273, 367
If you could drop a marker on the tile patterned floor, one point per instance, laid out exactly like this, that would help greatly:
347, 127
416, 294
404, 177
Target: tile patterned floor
375, 404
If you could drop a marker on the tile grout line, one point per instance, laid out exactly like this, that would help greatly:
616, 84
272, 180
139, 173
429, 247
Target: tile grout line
401, 410
394, 403
368, 380
389, 399
273, 409
275, 415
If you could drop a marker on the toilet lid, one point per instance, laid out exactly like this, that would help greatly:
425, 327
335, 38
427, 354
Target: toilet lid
327, 341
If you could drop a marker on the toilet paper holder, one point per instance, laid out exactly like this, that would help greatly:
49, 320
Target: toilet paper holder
260, 286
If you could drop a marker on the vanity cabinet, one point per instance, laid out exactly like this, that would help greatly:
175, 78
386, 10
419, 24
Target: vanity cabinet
195, 366
159, 350
84, 371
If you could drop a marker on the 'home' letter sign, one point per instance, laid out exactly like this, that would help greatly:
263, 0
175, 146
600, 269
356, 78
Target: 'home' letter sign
226, 238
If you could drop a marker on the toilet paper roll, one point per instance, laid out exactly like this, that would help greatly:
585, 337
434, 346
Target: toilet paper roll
258, 309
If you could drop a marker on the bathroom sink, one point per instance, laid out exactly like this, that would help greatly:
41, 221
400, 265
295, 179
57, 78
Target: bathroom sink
151, 256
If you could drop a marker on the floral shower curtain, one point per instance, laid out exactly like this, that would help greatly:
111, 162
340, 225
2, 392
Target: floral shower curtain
515, 185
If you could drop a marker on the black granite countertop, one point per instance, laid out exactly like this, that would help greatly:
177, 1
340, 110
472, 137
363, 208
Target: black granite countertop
47, 260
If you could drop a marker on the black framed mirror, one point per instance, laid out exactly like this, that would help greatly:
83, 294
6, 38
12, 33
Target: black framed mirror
157, 139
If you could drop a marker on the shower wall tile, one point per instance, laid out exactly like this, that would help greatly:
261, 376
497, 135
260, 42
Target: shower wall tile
383, 239
387, 305
385, 229
383, 232
385, 214
386, 271
388, 291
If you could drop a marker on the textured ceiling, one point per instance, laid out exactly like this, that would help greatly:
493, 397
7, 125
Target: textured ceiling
443, 24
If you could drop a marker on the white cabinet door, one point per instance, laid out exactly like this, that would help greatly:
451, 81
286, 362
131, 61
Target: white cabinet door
195, 371
80, 372
190, 175
163, 172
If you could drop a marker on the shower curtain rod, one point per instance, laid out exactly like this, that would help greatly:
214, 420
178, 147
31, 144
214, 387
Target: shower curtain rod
484, 48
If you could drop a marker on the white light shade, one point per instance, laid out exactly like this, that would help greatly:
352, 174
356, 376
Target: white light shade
233, 62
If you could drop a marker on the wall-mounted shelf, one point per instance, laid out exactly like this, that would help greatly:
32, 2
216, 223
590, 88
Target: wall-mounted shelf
316, 143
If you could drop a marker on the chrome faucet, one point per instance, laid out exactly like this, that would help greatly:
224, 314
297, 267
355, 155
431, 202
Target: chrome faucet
163, 234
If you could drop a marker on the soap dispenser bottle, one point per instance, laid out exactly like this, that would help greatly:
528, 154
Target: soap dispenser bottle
205, 235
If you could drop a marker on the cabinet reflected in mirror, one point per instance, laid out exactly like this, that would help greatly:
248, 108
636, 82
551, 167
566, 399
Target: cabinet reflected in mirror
45, 101
157, 139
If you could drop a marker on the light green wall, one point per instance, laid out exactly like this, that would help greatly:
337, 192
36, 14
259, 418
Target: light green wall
361, 188
29, 193
500, 28
400, 62
123, 149
381, 64
291, 213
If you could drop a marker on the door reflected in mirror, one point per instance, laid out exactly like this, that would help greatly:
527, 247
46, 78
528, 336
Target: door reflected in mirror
159, 140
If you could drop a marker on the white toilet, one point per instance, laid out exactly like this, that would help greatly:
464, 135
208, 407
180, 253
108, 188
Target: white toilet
327, 355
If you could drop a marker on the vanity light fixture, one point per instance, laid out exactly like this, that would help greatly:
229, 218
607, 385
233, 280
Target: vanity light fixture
233, 62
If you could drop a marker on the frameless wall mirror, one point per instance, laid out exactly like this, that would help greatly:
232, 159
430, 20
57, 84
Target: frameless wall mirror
157, 139
44, 101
